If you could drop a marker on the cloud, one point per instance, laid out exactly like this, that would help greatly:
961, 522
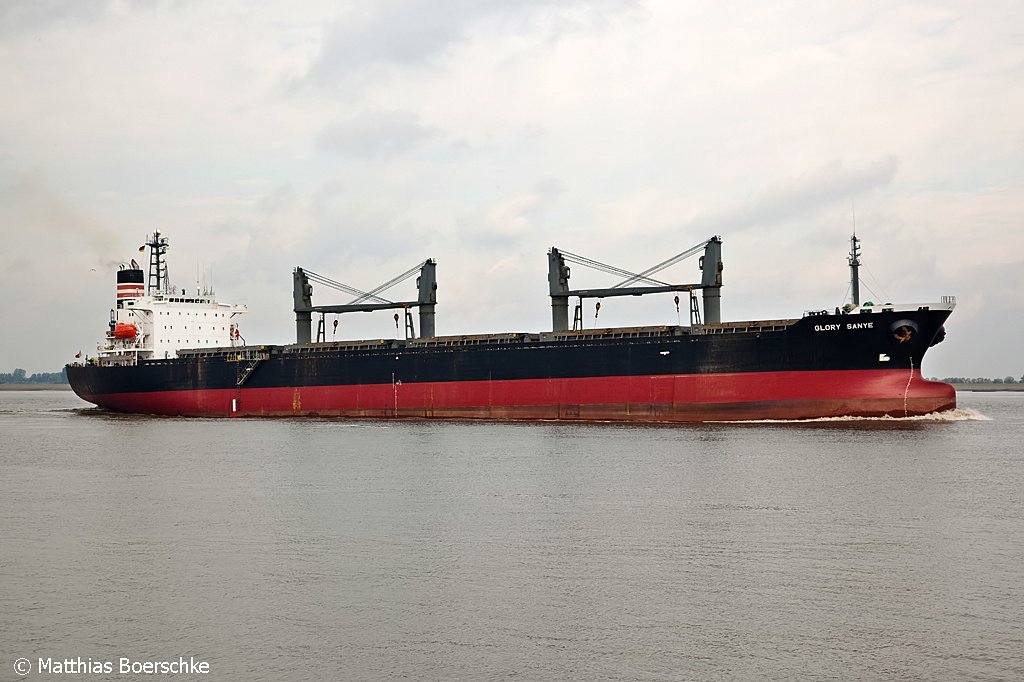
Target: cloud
31, 209
375, 134
979, 340
358, 138
792, 198
20, 17
407, 33
512, 219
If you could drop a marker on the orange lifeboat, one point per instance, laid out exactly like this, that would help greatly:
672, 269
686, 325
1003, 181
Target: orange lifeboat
125, 331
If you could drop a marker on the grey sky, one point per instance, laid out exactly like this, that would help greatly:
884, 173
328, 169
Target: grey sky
357, 139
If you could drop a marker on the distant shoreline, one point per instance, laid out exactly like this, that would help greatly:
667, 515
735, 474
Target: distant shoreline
35, 387
987, 388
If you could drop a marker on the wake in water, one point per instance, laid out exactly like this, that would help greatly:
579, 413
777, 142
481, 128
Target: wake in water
957, 415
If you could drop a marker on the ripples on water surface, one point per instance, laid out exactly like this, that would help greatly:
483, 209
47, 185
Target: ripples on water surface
322, 549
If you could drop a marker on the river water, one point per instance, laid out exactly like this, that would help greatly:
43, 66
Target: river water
325, 549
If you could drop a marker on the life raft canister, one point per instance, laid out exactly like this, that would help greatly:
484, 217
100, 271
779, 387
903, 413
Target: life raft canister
125, 331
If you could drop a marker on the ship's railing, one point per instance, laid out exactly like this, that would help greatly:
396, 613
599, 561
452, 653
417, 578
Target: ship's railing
307, 348
951, 300
612, 333
750, 326
120, 358
230, 354
469, 340
248, 355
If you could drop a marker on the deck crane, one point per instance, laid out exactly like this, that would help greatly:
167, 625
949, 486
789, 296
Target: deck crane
637, 284
365, 301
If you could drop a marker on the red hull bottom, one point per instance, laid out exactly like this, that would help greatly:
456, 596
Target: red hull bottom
673, 398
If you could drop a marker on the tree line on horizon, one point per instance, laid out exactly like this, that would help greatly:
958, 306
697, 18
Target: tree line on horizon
20, 376
979, 380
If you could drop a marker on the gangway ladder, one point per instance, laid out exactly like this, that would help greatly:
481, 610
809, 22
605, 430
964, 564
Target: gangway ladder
244, 371
250, 367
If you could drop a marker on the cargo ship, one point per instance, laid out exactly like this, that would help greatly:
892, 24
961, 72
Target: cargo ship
175, 352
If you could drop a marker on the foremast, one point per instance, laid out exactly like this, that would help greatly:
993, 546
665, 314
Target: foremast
854, 260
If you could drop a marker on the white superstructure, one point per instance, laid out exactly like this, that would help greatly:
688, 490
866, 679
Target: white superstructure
156, 324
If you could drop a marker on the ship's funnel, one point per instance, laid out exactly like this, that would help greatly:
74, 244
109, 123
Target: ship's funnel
131, 283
